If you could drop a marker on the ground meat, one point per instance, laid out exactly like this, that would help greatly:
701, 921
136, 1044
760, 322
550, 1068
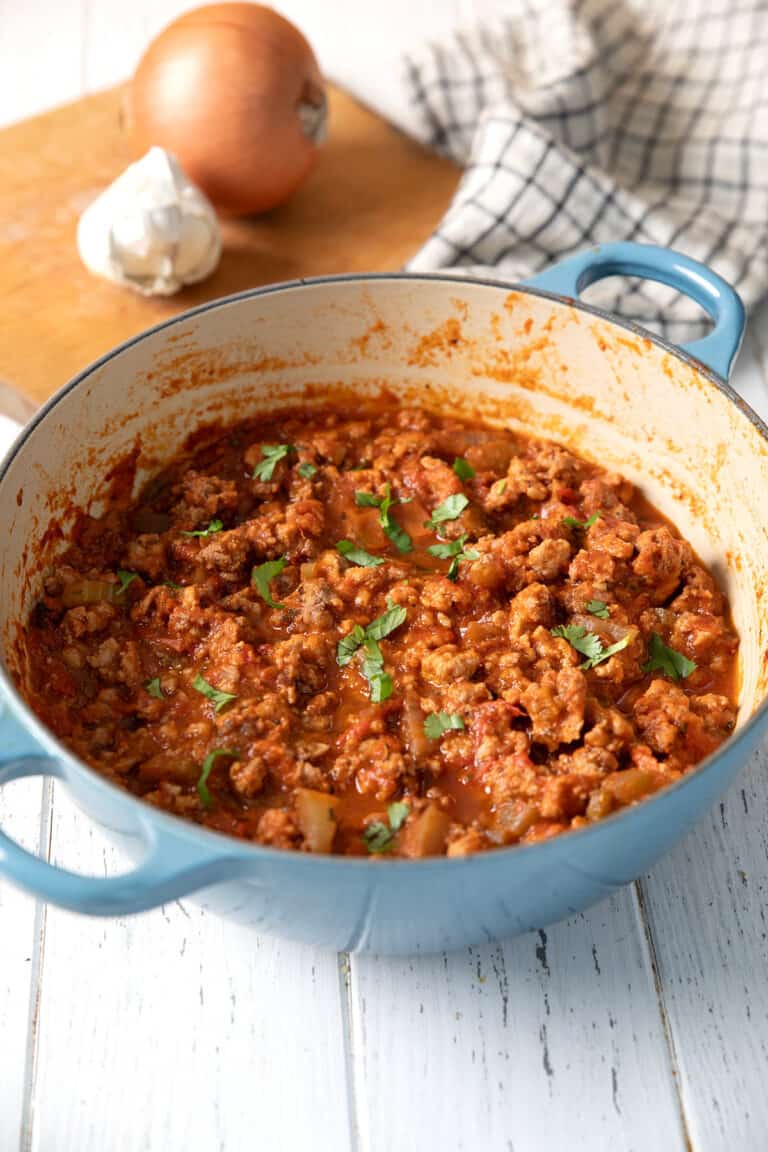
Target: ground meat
477, 653
448, 663
376, 765
555, 705
278, 829
669, 720
659, 561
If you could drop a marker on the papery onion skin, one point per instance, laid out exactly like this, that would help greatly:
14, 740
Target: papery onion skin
235, 92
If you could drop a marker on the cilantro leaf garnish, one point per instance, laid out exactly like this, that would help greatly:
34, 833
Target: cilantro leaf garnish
125, 579
215, 695
667, 660
394, 616
357, 555
589, 644
214, 527
261, 577
389, 525
170, 584
450, 509
372, 668
455, 552
439, 722
379, 837
598, 608
463, 468
367, 500
372, 665
154, 689
270, 455
392, 529
583, 524
306, 469
347, 647
208, 763
397, 814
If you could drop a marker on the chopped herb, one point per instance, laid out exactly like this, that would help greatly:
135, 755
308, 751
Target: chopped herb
440, 722
382, 626
589, 644
598, 608
349, 645
398, 536
379, 837
215, 695
125, 579
214, 527
667, 660
357, 555
450, 509
397, 814
367, 500
271, 454
500, 486
612, 649
307, 469
154, 689
455, 552
208, 763
583, 524
372, 666
263, 574
373, 669
170, 584
361, 467
463, 468
390, 527
535, 516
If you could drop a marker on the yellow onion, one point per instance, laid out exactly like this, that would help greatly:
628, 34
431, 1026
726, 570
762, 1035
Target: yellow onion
235, 93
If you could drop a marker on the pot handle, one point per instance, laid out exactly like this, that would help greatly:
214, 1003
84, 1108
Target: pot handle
171, 868
717, 350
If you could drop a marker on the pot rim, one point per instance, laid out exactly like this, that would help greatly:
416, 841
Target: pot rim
188, 829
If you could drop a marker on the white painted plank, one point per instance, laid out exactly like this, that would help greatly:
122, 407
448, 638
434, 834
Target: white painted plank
706, 909
177, 1030
550, 1041
706, 906
20, 809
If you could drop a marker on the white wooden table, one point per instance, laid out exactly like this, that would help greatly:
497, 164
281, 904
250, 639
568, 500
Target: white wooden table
641, 1025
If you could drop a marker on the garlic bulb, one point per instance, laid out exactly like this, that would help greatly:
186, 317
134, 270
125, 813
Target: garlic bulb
152, 229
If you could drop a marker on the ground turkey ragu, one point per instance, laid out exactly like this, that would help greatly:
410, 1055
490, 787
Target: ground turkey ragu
380, 630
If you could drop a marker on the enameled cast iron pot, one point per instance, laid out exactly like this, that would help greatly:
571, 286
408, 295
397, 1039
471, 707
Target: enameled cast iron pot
534, 359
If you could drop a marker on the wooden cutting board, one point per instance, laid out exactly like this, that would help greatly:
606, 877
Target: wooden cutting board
373, 199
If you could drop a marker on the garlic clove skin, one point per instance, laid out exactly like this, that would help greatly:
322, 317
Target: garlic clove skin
151, 230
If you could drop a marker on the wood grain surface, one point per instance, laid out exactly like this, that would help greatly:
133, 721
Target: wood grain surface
374, 197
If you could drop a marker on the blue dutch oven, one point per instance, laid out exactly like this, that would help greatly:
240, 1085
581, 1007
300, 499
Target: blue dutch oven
534, 358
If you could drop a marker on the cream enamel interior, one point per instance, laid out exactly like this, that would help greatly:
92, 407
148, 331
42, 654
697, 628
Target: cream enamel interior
518, 359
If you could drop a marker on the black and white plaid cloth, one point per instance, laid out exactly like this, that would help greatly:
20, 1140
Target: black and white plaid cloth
585, 121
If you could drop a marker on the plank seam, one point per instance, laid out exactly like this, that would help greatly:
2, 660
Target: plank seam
45, 840
646, 937
347, 1034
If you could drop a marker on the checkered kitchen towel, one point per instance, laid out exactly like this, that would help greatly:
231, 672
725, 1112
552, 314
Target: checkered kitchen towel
584, 121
